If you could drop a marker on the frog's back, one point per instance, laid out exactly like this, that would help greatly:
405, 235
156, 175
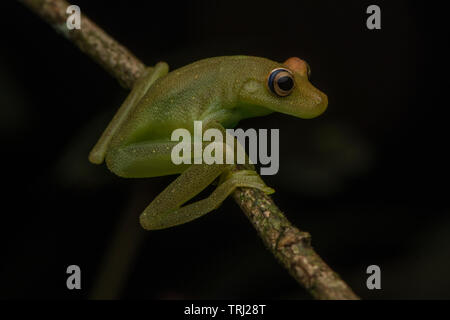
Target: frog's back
182, 96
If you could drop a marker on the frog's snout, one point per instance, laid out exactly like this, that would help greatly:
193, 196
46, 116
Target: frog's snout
315, 102
312, 103
322, 103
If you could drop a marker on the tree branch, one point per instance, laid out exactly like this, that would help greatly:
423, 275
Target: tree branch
288, 244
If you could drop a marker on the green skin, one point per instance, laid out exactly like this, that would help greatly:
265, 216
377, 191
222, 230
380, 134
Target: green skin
219, 92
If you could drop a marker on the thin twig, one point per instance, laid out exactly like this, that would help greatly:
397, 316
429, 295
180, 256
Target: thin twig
122, 250
92, 40
288, 244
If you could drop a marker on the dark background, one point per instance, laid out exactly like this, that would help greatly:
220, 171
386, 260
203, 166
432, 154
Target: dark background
367, 179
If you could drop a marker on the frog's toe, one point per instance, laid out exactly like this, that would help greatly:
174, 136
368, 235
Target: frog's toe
250, 179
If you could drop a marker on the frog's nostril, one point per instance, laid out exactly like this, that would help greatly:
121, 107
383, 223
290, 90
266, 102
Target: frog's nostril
323, 102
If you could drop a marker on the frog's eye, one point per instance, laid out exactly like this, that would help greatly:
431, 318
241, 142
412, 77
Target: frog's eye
281, 82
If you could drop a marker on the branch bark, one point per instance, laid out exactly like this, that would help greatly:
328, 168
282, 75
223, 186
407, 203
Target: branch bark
288, 244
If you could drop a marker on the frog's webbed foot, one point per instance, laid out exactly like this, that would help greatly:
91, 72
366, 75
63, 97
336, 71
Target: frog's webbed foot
243, 178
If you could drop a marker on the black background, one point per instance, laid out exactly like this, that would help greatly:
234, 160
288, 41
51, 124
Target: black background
367, 179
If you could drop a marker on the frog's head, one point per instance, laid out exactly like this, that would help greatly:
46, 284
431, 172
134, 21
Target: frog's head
284, 88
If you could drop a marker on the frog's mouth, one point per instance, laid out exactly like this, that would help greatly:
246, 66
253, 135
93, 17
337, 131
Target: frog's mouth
306, 102
316, 105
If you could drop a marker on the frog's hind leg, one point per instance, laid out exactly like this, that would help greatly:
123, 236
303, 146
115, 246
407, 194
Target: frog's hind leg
143, 160
165, 210
149, 159
141, 86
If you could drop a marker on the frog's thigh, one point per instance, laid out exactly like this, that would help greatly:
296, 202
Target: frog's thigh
143, 160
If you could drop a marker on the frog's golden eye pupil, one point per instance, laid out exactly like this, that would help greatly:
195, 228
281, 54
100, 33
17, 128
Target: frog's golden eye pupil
281, 82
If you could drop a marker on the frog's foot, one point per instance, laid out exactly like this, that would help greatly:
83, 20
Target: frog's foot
245, 178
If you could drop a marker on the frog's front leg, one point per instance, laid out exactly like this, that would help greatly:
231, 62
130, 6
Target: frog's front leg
151, 74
